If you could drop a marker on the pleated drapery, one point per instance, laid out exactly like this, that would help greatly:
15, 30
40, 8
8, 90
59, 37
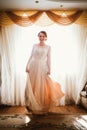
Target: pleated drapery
26, 18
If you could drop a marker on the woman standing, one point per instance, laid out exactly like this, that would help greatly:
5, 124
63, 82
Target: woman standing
41, 91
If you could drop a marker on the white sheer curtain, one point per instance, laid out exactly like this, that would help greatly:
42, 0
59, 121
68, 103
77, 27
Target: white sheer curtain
68, 56
12, 87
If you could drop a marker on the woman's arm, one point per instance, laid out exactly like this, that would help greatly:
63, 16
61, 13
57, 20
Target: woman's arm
49, 60
27, 67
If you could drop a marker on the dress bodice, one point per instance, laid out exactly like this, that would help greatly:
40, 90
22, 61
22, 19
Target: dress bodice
40, 52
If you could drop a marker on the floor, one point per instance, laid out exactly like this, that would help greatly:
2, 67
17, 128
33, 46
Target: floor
68, 109
68, 117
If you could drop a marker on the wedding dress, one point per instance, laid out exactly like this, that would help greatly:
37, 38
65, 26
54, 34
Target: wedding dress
41, 91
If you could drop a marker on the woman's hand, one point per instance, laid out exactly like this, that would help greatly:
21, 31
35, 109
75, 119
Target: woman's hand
27, 70
48, 73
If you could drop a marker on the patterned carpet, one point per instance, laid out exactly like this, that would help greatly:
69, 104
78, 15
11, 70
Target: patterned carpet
44, 122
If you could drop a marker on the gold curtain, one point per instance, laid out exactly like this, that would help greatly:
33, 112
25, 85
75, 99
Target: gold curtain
64, 20
82, 20
26, 18
4, 19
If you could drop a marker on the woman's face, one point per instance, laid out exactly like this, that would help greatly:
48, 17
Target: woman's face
42, 37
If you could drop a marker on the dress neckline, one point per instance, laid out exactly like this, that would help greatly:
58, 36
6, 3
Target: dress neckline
41, 45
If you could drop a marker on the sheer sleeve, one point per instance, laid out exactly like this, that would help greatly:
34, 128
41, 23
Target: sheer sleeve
49, 59
30, 57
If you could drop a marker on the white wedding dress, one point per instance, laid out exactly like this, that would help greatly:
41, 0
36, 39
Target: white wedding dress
41, 91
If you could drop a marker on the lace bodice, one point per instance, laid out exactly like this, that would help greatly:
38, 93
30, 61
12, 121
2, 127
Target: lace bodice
40, 52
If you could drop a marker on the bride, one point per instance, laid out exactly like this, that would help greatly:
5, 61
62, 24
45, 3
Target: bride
41, 91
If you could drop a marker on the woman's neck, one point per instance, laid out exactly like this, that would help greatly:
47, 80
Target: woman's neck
41, 43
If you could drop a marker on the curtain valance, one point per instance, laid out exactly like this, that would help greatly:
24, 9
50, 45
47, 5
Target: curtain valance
44, 18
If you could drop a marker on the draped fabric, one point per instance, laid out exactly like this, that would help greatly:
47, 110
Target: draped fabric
7, 66
50, 17
66, 20
5, 20
24, 21
10, 93
68, 64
